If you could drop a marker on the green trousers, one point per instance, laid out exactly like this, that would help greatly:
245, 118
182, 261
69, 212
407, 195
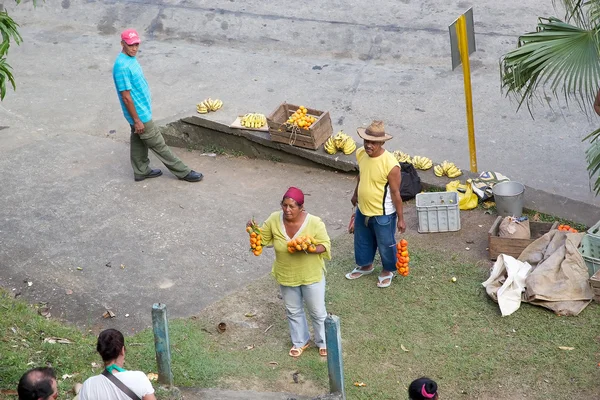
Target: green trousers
152, 139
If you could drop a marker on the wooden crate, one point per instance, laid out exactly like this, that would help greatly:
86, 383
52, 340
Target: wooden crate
514, 247
595, 284
312, 138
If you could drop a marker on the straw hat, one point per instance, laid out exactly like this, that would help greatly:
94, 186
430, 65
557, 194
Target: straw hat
374, 132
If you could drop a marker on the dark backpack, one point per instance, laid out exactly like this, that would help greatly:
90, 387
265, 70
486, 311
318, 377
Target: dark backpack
410, 185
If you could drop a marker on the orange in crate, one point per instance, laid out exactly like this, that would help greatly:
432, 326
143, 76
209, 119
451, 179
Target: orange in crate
402, 257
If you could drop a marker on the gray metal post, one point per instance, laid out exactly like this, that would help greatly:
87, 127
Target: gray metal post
160, 325
335, 365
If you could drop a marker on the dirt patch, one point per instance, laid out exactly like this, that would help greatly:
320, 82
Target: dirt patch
255, 315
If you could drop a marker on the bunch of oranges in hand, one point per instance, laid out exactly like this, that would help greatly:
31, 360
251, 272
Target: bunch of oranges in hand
302, 243
567, 228
301, 119
255, 238
402, 257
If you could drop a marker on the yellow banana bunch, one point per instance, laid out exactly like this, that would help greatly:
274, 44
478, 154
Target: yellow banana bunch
208, 105
447, 168
402, 157
253, 120
349, 146
453, 171
422, 163
330, 146
201, 108
340, 141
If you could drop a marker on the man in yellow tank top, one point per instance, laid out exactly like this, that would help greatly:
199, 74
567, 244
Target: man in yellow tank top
379, 211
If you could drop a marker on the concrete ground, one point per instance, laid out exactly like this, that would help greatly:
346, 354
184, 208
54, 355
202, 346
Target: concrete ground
71, 208
388, 60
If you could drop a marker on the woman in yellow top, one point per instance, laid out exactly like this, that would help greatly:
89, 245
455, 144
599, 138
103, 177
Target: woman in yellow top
300, 274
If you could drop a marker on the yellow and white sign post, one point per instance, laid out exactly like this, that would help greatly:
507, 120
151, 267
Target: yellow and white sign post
462, 42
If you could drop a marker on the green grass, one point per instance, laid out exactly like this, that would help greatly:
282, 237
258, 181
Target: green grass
453, 333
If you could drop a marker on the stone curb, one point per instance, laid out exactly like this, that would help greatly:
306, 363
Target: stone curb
197, 132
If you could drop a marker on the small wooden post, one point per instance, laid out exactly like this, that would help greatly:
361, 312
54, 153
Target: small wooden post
335, 365
160, 326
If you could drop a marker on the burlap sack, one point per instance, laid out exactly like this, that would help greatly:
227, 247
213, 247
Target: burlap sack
559, 277
512, 228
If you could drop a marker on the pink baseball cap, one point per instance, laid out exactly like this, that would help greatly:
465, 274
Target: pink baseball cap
130, 36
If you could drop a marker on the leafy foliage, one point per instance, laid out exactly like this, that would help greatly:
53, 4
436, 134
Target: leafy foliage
9, 32
564, 58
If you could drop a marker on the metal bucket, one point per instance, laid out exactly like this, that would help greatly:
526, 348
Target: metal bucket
509, 198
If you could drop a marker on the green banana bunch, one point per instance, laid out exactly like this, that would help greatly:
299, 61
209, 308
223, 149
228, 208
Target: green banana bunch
340, 141
402, 157
253, 120
422, 163
447, 168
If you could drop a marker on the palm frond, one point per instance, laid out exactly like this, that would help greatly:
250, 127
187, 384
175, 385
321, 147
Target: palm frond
561, 57
592, 155
5, 75
8, 31
573, 11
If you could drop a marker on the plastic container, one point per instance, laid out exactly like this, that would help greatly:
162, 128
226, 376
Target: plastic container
438, 212
509, 198
594, 230
590, 250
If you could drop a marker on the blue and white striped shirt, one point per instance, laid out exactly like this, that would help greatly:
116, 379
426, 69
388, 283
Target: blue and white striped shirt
128, 75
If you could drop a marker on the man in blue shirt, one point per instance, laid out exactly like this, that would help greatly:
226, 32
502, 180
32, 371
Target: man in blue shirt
136, 102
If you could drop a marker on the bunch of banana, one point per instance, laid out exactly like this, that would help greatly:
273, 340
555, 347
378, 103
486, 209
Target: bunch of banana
201, 108
421, 162
330, 146
340, 141
448, 169
453, 171
253, 120
402, 157
344, 143
208, 105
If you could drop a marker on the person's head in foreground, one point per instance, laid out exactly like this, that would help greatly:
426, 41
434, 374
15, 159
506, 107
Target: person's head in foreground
38, 384
423, 389
111, 347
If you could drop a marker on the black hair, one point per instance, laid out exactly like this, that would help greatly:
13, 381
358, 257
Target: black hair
422, 388
36, 383
110, 344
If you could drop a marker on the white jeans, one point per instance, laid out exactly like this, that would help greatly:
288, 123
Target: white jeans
314, 297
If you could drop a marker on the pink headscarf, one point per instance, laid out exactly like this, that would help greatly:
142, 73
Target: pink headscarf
295, 194
425, 394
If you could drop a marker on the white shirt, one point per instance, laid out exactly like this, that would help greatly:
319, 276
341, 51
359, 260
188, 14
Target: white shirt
100, 388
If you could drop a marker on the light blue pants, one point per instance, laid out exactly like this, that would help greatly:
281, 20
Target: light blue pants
314, 297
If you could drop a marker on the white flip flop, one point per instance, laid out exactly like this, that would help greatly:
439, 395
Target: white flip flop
357, 270
383, 278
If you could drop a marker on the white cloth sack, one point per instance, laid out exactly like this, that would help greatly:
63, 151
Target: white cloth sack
507, 282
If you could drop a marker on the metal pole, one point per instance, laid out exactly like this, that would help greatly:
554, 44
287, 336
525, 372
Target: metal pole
463, 46
160, 326
335, 365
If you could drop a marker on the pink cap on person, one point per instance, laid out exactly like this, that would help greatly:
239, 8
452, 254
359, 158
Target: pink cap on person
130, 36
